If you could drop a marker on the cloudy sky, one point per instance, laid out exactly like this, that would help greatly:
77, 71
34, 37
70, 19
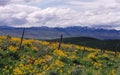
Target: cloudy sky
60, 13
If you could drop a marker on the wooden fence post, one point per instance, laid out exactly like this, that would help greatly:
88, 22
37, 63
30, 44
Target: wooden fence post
84, 49
103, 48
116, 50
8, 39
22, 37
60, 42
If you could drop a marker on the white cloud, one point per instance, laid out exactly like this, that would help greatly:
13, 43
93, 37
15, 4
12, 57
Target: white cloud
15, 14
92, 13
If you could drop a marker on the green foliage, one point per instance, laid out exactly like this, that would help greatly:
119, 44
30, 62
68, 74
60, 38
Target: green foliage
43, 58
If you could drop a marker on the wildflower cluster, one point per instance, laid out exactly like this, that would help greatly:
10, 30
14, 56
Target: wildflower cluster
43, 58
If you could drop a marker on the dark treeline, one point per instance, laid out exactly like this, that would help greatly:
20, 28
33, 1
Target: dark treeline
92, 42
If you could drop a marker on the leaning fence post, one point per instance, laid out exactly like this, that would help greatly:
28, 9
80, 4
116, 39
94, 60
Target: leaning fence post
60, 42
22, 37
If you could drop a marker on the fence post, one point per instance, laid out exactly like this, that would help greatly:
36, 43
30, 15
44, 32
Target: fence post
22, 37
116, 50
60, 42
103, 48
84, 49
8, 39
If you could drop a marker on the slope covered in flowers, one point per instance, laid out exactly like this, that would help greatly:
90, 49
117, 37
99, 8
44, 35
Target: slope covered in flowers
42, 58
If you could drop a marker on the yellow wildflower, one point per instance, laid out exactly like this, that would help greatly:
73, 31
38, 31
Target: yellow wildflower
72, 56
97, 65
59, 63
91, 55
39, 61
59, 52
17, 71
12, 48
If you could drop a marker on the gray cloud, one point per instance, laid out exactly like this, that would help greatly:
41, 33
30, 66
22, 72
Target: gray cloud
5, 2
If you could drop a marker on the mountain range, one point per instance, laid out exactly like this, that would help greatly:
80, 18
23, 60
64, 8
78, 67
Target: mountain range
53, 33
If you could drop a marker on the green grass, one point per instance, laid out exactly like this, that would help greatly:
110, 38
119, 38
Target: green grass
43, 58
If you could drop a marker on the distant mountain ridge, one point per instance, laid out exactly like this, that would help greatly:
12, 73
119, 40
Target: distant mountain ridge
52, 33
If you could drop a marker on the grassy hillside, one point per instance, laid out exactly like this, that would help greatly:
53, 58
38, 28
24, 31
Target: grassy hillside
43, 58
92, 42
